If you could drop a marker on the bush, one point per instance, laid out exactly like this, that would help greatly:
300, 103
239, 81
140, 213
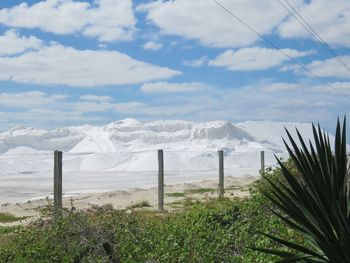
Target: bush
218, 230
317, 203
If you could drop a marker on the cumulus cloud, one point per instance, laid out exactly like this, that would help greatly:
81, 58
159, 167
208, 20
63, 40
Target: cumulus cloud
171, 110
330, 68
172, 87
254, 58
133, 108
59, 96
210, 24
46, 118
12, 43
280, 86
294, 103
330, 19
151, 45
130, 107
196, 62
335, 87
107, 20
90, 97
39, 107
90, 106
86, 68
28, 99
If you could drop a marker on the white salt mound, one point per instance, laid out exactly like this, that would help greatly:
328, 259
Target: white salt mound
130, 145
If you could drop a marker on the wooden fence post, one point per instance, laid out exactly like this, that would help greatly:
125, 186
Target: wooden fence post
160, 180
221, 173
262, 160
57, 184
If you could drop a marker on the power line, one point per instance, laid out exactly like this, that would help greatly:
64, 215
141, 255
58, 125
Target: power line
312, 32
280, 50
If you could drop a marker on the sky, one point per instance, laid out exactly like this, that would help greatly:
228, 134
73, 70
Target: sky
65, 62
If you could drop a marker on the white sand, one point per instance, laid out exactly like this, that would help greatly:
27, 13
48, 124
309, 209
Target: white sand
234, 186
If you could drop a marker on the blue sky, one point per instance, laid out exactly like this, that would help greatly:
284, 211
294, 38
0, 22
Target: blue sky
66, 62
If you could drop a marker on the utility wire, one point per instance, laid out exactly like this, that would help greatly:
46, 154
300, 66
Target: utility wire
281, 50
312, 32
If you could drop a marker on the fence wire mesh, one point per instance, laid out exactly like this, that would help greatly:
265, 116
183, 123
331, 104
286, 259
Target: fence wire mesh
26, 183
26, 176
100, 178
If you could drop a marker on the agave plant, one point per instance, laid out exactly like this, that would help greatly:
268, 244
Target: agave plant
316, 204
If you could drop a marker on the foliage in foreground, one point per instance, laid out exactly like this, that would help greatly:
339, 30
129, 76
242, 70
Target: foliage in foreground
8, 218
318, 203
218, 230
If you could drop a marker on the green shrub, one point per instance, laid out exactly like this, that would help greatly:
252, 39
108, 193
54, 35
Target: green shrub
176, 194
317, 203
200, 190
8, 218
216, 230
75, 238
140, 204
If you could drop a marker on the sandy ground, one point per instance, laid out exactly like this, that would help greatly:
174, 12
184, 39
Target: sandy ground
234, 187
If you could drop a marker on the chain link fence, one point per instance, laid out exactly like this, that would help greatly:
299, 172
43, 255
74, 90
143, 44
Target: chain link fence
26, 183
120, 178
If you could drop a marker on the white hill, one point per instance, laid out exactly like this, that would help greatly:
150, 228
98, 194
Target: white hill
130, 145
123, 154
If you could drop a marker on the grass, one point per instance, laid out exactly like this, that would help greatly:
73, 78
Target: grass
191, 192
185, 203
8, 218
176, 194
205, 190
45, 210
188, 202
176, 204
234, 187
200, 190
6, 230
140, 204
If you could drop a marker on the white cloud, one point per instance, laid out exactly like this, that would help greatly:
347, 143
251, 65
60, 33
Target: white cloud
335, 87
251, 103
47, 118
172, 87
280, 86
167, 110
95, 106
43, 106
59, 96
330, 68
210, 24
130, 107
112, 20
108, 20
133, 108
255, 102
28, 99
86, 68
330, 19
58, 115
151, 45
196, 62
12, 43
254, 58
95, 98
89, 106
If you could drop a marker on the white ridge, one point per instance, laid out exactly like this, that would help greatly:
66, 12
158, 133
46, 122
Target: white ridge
130, 145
